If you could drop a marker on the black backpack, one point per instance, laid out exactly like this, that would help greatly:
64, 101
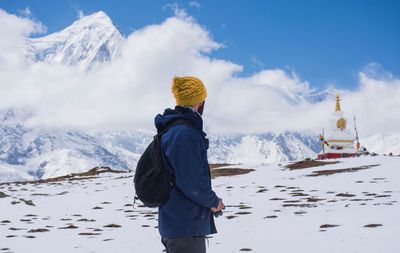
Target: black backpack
153, 182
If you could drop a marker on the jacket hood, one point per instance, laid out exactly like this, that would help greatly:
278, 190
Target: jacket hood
180, 112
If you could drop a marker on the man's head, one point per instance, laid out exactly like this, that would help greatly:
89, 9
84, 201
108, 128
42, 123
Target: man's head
189, 91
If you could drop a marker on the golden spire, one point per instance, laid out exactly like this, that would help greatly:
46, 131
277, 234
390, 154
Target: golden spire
337, 103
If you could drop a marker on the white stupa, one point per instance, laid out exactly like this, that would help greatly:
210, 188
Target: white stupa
339, 141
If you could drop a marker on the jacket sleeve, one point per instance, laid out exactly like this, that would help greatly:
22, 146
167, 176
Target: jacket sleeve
191, 169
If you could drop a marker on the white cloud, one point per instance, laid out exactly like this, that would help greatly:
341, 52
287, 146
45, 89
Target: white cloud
178, 11
80, 14
13, 30
194, 4
26, 12
128, 92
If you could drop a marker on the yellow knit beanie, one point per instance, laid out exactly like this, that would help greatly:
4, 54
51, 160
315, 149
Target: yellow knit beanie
188, 90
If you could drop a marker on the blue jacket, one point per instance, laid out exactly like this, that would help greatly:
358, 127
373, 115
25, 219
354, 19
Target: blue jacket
187, 212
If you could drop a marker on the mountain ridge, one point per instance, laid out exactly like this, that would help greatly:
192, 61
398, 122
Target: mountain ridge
89, 40
42, 152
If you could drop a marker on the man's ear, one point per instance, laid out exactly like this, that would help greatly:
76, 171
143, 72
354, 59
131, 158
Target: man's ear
200, 108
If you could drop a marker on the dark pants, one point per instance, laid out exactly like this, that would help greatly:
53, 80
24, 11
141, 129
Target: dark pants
191, 244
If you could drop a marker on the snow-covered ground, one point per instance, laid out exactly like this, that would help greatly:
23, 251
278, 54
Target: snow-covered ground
272, 209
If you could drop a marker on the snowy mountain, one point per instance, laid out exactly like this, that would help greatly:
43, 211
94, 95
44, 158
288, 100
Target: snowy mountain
89, 40
33, 153
382, 143
30, 153
318, 96
262, 148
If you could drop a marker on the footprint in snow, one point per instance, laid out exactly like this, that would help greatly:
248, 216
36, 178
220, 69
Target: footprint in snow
89, 233
28, 202
243, 213
30, 215
112, 226
62, 193
298, 194
244, 207
382, 196
270, 217
70, 226
291, 201
86, 220
346, 195
16, 229
273, 199
328, 226
231, 217
373, 225
3, 195
312, 199
38, 230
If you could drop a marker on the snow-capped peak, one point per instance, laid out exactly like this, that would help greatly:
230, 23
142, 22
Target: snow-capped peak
99, 17
87, 41
96, 20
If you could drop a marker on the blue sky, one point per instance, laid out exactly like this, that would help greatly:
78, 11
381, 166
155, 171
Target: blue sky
325, 42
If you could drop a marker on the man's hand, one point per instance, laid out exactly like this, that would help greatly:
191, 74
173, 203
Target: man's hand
220, 207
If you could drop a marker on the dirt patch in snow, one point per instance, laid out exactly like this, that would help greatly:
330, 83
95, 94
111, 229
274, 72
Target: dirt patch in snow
308, 164
71, 177
226, 172
331, 172
218, 170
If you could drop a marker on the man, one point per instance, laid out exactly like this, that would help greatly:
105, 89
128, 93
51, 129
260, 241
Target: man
187, 217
